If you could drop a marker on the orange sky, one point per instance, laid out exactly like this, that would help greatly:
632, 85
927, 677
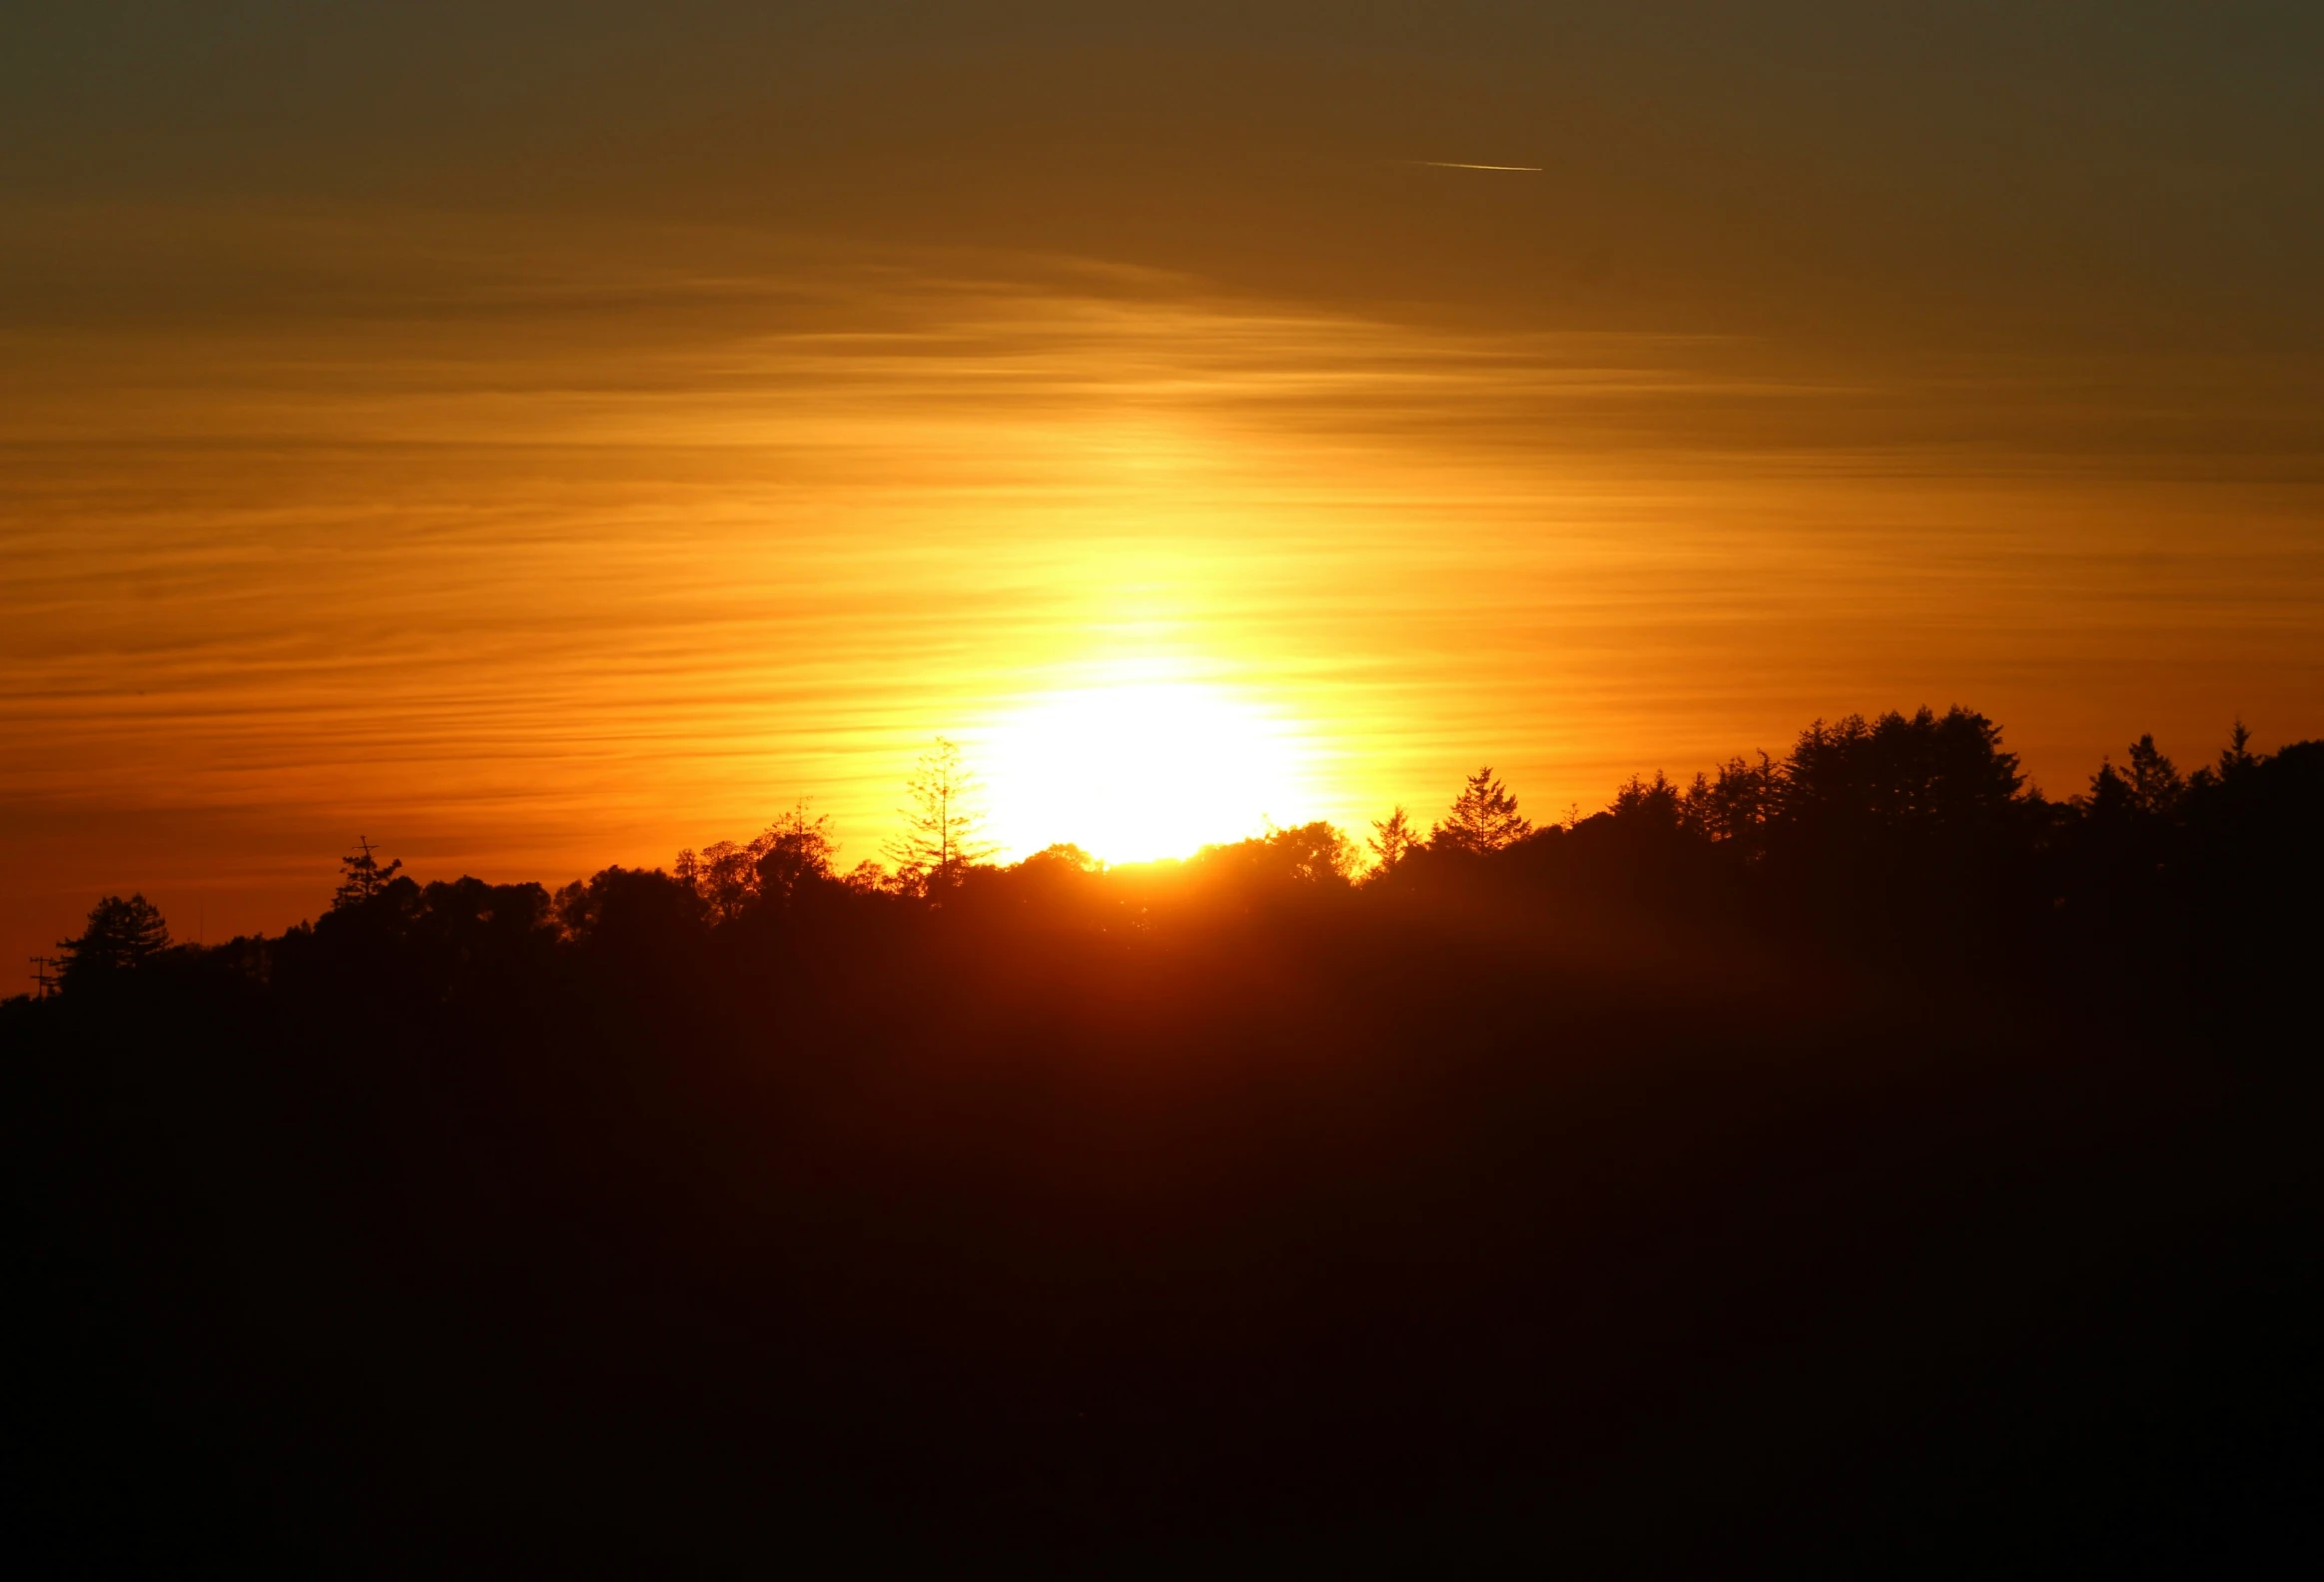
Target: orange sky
533, 469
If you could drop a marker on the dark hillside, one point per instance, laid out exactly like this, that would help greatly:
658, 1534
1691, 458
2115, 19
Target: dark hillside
1851, 1164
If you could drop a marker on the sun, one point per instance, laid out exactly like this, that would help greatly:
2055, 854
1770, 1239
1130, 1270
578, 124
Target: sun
1141, 769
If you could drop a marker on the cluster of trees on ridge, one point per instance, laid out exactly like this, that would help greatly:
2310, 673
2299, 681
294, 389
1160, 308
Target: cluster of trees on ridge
1914, 830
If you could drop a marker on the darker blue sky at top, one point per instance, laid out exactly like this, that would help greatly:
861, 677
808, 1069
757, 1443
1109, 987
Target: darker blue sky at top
2115, 174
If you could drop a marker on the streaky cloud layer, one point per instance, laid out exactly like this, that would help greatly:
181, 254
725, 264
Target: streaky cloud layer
526, 549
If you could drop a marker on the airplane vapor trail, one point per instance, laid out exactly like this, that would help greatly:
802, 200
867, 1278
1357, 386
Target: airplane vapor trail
1464, 165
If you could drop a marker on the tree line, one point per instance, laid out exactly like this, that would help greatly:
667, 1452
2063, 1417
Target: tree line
1914, 830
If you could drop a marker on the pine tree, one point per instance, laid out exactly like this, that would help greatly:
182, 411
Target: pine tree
2156, 784
362, 877
1484, 818
1394, 838
1654, 802
120, 937
2237, 756
943, 822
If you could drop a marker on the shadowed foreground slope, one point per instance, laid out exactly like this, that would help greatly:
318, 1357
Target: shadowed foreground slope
1844, 1177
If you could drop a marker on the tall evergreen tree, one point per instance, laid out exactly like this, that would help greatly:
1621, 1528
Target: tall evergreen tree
1394, 838
1484, 817
943, 819
362, 875
120, 937
2237, 756
2156, 784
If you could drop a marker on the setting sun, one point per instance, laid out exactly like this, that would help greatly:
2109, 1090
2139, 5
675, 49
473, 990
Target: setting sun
1140, 769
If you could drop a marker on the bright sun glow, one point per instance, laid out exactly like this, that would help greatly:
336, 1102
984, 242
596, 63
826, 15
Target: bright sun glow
1139, 770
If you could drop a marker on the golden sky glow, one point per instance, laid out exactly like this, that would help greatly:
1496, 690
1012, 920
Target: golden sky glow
581, 491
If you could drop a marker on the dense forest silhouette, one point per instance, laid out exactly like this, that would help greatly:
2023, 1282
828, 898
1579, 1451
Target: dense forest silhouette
1852, 1159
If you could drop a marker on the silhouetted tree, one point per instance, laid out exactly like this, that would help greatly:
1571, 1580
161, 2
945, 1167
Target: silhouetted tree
2154, 782
362, 877
721, 875
1394, 838
1313, 852
1653, 802
942, 821
1317, 853
1899, 771
1484, 818
1066, 855
2237, 756
868, 877
120, 937
634, 910
2150, 788
795, 851
2109, 799
1739, 803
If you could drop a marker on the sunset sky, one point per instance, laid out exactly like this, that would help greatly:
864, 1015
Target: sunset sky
536, 436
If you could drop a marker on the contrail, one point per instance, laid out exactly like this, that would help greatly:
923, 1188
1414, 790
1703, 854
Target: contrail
1462, 165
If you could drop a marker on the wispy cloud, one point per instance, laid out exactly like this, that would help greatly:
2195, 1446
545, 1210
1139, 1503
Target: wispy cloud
532, 553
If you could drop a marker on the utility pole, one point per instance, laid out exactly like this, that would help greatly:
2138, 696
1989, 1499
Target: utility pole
44, 976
